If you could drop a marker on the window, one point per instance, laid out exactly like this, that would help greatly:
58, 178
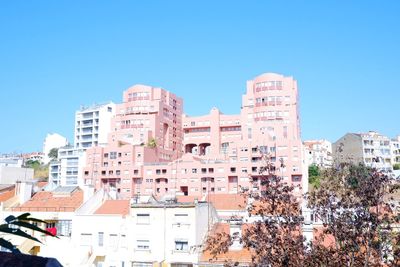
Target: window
181, 245
143, 244
113, 241
86, 239
181, 218
101, 239
113, 155
143, 219
194, 170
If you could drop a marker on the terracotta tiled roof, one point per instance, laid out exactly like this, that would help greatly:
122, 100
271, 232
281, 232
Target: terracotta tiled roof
227, 201
6, 195
41, 184
49, 201
114, 207
241, 256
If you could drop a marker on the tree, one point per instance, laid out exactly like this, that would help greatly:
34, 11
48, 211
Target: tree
152, 143
354, 204
314, 175
275, 237
53, 154
40, 171
396, 166
13, 225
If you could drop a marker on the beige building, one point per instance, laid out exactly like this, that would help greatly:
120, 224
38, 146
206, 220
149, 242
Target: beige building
372, 149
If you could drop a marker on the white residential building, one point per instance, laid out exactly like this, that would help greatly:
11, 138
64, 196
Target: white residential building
11, 175
92, 125
372, 149
67, 170
149, 233
11, 161
395, 146
318, 152
52, 141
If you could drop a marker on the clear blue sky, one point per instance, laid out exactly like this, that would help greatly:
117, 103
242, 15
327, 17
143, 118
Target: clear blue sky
58, 55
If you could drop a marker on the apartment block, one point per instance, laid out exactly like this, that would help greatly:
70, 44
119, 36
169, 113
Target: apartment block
214, 153
371, 148
92, 125
318, 152
142, 233
395, 147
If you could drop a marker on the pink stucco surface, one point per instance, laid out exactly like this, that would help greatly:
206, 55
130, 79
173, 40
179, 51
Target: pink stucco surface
210, 154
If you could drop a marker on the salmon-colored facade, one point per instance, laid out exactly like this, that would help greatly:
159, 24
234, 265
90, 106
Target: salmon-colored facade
196, 156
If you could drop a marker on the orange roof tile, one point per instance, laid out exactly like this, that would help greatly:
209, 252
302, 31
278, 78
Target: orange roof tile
227, 201
47, 201
114, 207
41, 184
6, 195
242, 255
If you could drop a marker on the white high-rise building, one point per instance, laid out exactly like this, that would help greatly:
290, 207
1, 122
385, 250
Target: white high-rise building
92, 125
53, 140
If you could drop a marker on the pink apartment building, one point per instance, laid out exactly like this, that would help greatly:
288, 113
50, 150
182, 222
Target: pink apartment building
197, 156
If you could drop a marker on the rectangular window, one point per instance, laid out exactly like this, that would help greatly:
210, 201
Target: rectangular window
143, 219
143, 244
113, 241
181, 218
113, 155
86, 239
101, 239
181, 245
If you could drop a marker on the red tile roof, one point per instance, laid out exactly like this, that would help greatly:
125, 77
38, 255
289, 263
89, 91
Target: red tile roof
6, 195
41, 184
114, 207
49, 201
227, 201
242, 255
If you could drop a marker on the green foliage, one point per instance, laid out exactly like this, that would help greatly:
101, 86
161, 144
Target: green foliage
313, 170
34, 164
53, 154
396, 166
152, 143
314, 175
40, 171
13, 226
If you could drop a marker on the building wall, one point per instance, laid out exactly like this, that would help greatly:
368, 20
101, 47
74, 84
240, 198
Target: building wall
232, 144
138, 240
10, 175
319, 153
52, 141
371, 149
93, 124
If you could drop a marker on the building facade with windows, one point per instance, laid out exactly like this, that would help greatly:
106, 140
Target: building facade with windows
214, 153
144, 233
92, 125
371, 148
318, 152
